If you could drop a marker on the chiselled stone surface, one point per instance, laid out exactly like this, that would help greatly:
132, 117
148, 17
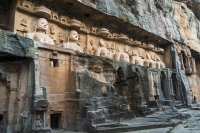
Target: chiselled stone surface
98, 65
16, 45
170, 15
193, 5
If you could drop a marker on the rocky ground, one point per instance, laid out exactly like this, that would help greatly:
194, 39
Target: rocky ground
190, 125
184, 121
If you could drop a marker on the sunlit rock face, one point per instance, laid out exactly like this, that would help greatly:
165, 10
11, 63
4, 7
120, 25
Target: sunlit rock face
176, 20
96, 65
188, 24
193, 5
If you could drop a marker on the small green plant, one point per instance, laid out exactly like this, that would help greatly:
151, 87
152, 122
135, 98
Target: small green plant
162, 2
165, 12
125, 18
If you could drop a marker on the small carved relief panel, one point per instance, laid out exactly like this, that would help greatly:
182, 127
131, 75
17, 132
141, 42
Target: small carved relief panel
39, 119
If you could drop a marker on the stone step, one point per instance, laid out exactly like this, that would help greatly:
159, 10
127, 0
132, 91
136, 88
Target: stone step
127, 128
179, 106
178, 102
183, 110
146, 113
157, 130
150, 111
166, 102
195, 108
165, 108
196, 105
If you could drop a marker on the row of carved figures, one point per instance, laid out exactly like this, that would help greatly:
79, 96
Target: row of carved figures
66, 22
133, 59
41, 36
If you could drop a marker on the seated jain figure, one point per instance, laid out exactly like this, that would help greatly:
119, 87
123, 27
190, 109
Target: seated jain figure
40, 33
121, 56
149, 62
159, 63
71, 41
102, 50
135, 59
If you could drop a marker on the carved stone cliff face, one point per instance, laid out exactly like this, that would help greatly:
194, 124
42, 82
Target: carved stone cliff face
176, 21
194, 5
91, 62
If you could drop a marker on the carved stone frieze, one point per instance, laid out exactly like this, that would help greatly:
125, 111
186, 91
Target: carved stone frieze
54, 16
90, 45
94, 63
27, 5
24, 22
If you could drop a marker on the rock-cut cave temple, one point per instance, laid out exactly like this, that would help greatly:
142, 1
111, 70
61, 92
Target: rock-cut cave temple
84, 65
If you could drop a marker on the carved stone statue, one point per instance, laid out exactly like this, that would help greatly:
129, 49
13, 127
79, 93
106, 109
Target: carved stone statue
71, 41
149, 62
159, 63
38, 121
135, 59
97, 71
121, 56
40, 33
102, 50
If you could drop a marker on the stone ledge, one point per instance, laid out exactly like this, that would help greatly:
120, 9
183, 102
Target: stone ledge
16, 45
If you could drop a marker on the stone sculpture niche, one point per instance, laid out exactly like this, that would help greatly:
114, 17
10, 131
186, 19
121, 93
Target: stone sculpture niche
40, 34
38, 120
148, 62
136, 94
102, 50
121, 56
159, 63
71, 41
135, 59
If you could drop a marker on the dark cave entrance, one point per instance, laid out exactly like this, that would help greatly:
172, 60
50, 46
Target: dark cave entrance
56, 121
1, 123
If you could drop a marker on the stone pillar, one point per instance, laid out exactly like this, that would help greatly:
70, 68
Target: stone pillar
193, 65
188, 68
181, 60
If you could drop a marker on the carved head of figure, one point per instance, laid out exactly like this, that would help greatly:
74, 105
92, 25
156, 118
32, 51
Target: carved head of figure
73, 36
124, 57
97, 67
42, 24
105, 53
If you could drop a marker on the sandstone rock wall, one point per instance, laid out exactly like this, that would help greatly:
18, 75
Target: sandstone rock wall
169, 19
173, 20
118, 72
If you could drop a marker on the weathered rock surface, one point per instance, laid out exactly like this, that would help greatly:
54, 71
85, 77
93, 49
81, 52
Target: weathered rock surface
194, 5
16, 45
176, 21
133, 70
188, 124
